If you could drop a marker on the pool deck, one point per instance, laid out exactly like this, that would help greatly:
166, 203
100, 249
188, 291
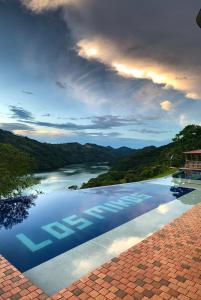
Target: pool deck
166, 265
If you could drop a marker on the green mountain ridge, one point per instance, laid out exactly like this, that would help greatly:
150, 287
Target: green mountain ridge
127, 165
151, 161
53, 156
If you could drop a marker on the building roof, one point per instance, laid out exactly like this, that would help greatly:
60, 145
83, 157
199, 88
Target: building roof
193, 152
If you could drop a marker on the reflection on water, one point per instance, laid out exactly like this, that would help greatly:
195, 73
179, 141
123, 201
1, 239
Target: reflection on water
119, 189
14, 211
178, 191
110, 190
61, 179
42, 226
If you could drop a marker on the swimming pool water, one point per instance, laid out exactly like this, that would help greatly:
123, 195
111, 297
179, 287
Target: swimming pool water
34, 231
189, 174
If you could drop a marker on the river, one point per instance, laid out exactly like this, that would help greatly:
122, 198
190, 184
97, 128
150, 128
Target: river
61, 179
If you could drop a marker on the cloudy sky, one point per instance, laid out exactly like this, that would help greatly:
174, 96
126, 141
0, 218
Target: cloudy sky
112, 72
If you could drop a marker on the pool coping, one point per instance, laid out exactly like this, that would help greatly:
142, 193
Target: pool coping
165, 265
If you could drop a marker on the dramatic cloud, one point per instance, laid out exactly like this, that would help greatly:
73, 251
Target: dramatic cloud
20, 113
15, 126
166, 105
143, 40
145, 67
40, 5
101, 71
97, 122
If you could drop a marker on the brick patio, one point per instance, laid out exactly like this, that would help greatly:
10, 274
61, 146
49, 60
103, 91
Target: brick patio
166, 265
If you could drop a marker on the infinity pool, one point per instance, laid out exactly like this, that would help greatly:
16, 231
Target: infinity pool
35, 233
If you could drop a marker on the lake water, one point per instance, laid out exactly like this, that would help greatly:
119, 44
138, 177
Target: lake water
60, 180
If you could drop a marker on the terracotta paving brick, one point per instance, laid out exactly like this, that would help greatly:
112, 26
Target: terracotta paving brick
166, 265
15, 286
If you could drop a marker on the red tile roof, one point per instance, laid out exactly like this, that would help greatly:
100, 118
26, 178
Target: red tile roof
193, 152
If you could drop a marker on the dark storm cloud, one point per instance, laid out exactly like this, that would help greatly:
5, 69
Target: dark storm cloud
20, 113
160, 36
43, 46
50, 52
142, 27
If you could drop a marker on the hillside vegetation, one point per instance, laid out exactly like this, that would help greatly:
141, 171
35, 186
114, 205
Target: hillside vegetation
151, 161
53, 156
19, 156
14, 167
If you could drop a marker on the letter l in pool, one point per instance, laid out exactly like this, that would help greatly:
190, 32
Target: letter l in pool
30, 244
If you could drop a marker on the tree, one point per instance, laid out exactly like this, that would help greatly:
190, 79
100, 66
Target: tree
186, 140
151, 161
189, 138
14, 211
73, 187
15, 167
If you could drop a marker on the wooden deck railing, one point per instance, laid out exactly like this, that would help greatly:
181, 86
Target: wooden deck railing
193, 165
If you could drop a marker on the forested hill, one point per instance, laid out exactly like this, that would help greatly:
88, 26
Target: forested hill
53, 156
151, 161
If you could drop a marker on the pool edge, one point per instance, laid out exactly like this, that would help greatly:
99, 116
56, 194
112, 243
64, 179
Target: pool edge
178, 241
